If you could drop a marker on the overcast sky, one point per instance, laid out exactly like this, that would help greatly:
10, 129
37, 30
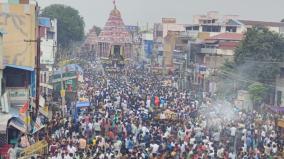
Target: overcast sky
96, 12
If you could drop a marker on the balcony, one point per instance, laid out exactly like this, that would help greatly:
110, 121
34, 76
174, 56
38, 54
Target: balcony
208, 51
215, 51
190, 34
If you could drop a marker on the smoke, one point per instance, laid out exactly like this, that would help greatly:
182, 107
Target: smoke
220, 113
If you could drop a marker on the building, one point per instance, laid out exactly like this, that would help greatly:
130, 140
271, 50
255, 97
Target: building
148, 45
212, 24
19, 53
212, 17
277, 27
162, 40
218, 49
2, 32
48, 45
67, 79
88, 49
135, 34
213, 53
279, 89
114, 41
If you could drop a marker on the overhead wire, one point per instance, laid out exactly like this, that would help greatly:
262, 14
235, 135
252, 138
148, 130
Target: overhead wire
238, 78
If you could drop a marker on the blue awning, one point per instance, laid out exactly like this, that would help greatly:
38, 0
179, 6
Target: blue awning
82, 104
20, 67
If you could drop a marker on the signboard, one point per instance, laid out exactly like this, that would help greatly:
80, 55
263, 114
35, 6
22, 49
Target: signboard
18, 94
148, 47
69, 82
19, 21
62, 93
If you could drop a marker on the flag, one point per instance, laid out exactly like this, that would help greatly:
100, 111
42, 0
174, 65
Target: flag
24, 108
25, 118
37, 125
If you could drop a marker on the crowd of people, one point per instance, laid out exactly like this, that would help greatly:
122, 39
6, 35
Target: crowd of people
133, 114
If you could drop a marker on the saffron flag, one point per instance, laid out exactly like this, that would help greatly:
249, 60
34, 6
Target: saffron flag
25, 108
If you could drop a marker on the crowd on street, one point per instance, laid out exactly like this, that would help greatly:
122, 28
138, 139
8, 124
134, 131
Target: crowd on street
133, 114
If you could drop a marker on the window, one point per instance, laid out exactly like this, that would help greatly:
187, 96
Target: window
196, 28
159, 33
282, 72
44, 77
211, 28
189, 28
231, 29
50, 35
279, 98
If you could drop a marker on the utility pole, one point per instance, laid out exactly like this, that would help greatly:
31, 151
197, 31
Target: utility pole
37, 68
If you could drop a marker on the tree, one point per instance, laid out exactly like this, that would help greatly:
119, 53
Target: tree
258, 56
257, 92
98, 30
70, 24
282, 20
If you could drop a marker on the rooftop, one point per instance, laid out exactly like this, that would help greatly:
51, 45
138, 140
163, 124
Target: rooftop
262, 23
227, 36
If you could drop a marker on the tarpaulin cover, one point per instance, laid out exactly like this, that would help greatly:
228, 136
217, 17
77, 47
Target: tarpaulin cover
82, 104
277, 109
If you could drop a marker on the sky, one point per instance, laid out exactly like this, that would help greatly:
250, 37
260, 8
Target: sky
96, 12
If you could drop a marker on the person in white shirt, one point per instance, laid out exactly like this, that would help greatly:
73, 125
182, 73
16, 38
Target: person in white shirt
233, 131
155, 148
71, 149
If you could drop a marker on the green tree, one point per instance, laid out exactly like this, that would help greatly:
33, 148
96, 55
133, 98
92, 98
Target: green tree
258, 56
257, 92
70, 24
98, 30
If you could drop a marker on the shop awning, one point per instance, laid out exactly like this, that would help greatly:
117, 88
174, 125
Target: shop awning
18, 124
21, 67
3, 122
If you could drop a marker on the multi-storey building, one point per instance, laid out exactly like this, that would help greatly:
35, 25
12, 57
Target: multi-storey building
48, 34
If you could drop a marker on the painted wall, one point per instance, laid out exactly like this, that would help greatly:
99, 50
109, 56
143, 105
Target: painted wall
19, 21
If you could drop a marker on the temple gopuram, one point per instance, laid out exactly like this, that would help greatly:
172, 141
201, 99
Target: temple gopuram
114, 44
88, 48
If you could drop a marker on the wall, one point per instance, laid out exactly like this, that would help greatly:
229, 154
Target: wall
216, 61
19, 21
169, 45
172, 27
